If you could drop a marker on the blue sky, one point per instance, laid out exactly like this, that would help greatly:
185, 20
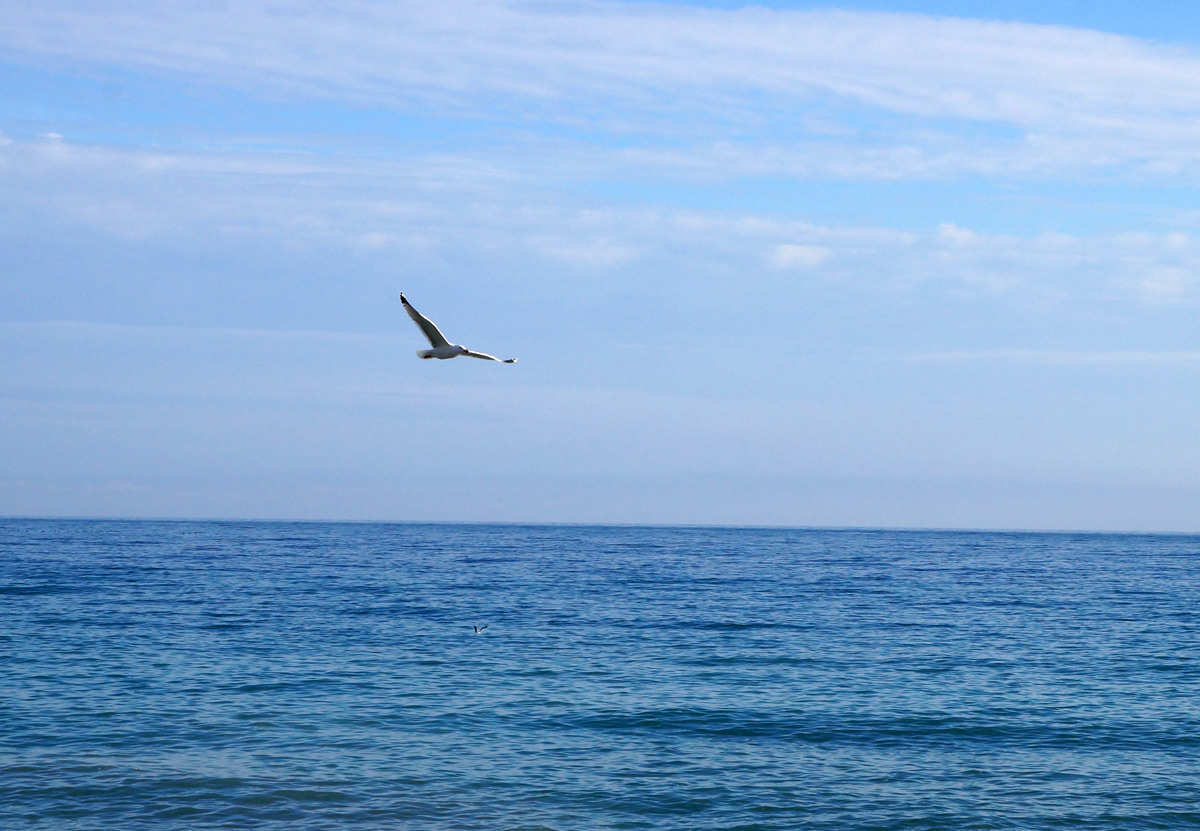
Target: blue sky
884, 264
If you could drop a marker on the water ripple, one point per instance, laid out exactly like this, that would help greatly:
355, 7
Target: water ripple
235, 675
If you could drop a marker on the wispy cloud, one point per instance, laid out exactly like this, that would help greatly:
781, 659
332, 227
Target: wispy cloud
1061, 357
976, 96
444, 206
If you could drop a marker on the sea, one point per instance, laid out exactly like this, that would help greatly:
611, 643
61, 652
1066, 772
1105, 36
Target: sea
240, 675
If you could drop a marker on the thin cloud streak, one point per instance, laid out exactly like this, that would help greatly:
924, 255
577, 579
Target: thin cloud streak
1060, 357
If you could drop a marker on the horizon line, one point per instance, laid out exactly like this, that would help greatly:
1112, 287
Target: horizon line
579, 524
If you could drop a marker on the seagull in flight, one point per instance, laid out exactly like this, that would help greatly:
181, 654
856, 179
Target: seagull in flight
479, 629
443, 348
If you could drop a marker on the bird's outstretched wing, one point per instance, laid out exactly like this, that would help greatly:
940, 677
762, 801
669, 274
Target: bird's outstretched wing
483, 356
436, 338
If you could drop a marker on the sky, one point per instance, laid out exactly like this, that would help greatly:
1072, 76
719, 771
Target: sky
885, 264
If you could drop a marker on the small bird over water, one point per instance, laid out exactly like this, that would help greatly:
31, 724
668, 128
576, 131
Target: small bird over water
443, 348
479, 629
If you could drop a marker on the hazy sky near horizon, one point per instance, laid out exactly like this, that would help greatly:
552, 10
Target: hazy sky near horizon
878, 263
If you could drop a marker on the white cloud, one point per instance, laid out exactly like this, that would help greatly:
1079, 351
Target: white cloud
1049, 100
597, 253
1166, 282
799, 256
952, 235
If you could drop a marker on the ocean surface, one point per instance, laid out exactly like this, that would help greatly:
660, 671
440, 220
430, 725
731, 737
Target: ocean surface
327, 676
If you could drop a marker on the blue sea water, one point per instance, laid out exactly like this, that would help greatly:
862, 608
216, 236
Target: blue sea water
312, 676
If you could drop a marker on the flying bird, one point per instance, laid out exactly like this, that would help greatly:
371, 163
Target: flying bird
479, 629
443, 348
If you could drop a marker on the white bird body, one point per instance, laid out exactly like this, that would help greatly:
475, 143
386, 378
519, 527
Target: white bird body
450, 350
442, 348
